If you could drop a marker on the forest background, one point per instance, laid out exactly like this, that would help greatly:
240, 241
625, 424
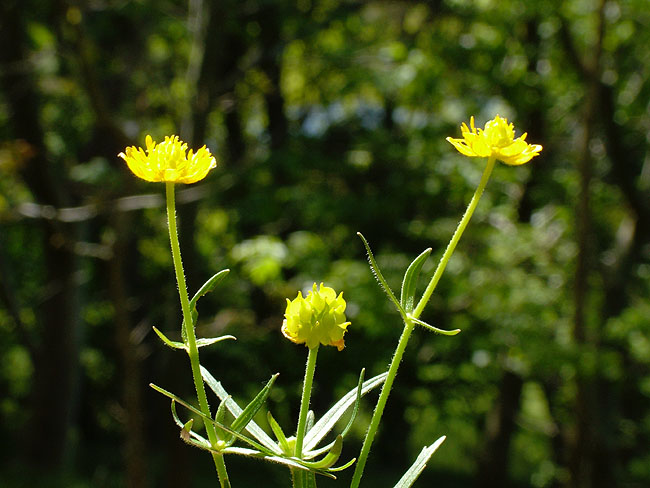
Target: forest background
327, 118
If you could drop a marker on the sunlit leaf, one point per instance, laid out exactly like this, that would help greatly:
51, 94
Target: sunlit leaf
418, 466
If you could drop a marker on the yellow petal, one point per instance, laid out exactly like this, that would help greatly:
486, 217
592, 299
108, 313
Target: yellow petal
496, 139
168, 161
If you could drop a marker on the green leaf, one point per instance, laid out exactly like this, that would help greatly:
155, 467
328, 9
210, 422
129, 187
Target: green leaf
220, 415
218, 425
343, 466
434, 329
357, 401
251, 409
213, 340
195, 317
279, 434
317, 452
327, 421
292, 463
410, 281
330, 458
380, 277
309, 421
199, 342
170, 343
252, 428
198, 440
418, 466
208, 286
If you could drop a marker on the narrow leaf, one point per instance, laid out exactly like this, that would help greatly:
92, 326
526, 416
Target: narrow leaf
380, 277
330, 458
213, 340
170, 343
279, 434
327, 421
292, 463
357, 401
418, 466
251, 409
204, 443
208, 286
310, 420
254, 429
220, 415
434, 329
343, 466
206, 418
355, 410
199, 342
411, 279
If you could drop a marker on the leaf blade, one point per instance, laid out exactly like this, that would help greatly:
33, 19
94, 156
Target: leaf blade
208, 286
380, 277
419, 464
232, 406
251, 409
407, 296
329, 419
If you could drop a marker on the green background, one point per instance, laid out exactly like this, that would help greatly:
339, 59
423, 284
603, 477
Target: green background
327, 118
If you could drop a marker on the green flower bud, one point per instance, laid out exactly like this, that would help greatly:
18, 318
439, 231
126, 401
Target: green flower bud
318, 318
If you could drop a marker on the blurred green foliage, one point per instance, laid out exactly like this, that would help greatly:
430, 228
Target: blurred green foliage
328, 118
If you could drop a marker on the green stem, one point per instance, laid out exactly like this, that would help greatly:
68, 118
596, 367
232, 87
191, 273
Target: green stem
381, 403
455, 238
304, 401
193, 350
409, 325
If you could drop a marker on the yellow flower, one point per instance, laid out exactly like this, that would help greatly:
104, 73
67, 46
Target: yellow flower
496, 139
169, 161
318, 318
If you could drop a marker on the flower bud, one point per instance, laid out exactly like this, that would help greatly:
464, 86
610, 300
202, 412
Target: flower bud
318, 318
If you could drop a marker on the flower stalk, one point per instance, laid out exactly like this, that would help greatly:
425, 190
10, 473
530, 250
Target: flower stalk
409, 324
193, 350
305, 399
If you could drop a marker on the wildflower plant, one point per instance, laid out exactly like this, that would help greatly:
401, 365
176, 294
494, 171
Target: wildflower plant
313, 320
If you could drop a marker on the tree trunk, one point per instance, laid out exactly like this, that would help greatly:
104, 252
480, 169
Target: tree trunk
56, 359
135, 449
500, 425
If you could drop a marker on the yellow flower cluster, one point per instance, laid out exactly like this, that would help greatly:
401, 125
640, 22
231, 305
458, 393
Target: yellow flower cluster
168, 161
318, 318
496, 139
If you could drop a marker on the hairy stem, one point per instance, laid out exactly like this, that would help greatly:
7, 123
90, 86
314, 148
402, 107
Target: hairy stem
304, 402
193, 350
409, 325
455, 238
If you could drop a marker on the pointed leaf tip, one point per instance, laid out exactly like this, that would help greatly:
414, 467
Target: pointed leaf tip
374, 267
420, 463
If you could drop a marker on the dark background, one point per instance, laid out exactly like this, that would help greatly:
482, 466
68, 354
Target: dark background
327, 118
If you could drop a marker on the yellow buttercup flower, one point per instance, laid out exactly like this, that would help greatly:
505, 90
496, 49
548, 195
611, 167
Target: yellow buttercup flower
496, 139
168, 161
318, 318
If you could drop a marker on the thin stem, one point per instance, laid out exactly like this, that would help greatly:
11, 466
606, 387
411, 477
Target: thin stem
409, 325
193, 350
304, 402
381, 403
455, 238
